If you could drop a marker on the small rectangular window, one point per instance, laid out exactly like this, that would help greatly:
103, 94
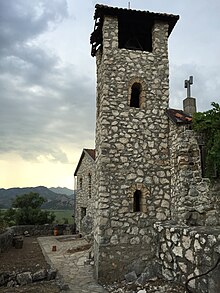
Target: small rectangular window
83, 212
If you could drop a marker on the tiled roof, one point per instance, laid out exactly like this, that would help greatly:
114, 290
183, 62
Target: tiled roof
90, 152
108, 10
102, 10
179, 116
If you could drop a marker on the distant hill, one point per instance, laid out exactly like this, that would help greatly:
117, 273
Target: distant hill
62, 190
56, 201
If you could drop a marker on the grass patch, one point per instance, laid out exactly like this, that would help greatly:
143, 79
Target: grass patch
63, 216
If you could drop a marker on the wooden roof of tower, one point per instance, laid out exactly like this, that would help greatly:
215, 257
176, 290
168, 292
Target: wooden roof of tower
102, 10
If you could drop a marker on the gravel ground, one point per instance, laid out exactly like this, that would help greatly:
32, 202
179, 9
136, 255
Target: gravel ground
154, 286
27, 259
41, 287
30, 258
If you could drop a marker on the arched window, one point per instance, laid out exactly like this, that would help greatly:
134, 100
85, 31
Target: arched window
137, 201
90, 185
138, 197
135, 95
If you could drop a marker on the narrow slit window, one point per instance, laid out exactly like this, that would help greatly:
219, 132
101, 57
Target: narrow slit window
135, 95
137, 201
80, 183
90, 185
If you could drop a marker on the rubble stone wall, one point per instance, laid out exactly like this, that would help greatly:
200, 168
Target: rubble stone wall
186, 252
194, 199
6, 238
131, 146
139, 149
44, 230
85, 195
131, 249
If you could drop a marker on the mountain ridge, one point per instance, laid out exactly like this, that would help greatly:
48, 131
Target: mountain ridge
62, 190
54, 200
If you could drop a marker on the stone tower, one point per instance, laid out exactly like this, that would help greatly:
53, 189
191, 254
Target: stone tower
132, 133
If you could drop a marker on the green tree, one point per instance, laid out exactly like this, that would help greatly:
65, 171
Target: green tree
2, 222
9, 217
28, 211
207, 124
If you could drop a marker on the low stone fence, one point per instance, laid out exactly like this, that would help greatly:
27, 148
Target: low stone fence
44, 230
12, 279
190, 255
6, 238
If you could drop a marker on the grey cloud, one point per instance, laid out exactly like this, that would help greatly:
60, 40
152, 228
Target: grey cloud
49, 120
44, 104
31, 64
23, 20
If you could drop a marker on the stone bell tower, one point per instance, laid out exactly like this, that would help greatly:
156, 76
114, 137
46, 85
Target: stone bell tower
132, 157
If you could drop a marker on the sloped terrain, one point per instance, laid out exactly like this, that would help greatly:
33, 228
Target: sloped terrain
55, 200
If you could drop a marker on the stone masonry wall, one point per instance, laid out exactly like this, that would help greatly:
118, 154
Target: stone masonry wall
131, 249
186, 252
44, 230
85, 196
6, 238
131, 147
138, 149
194, 200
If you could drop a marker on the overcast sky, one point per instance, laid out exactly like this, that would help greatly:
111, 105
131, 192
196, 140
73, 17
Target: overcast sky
47, 79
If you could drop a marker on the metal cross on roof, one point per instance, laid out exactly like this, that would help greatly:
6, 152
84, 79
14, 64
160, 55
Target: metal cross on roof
187, 85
